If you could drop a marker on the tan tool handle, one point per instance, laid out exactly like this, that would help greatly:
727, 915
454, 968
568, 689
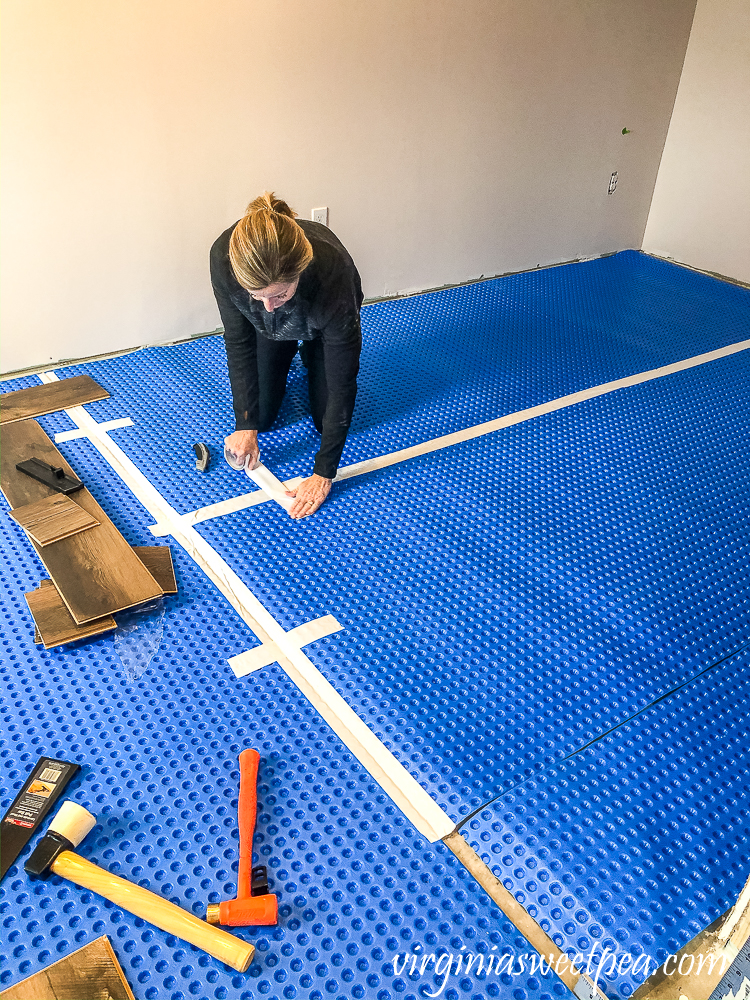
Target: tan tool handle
135, 899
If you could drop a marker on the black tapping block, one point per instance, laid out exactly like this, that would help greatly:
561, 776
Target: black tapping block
50, 475
42, 789
46, 851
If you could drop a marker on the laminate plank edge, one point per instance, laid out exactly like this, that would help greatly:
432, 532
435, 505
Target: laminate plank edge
47, 398
52, 518
55, 624
158, 561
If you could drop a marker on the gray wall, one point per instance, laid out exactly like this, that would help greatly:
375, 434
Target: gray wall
449, 140
700, 214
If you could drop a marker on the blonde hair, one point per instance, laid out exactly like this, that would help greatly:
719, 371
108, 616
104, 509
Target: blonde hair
267, 246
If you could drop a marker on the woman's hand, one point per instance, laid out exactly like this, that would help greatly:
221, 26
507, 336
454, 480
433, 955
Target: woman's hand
240, 445
310, 494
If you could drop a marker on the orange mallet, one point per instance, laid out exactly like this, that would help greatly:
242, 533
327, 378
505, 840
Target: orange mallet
246, 910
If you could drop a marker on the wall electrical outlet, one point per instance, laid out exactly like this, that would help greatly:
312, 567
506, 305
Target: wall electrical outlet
320, 215
612, 183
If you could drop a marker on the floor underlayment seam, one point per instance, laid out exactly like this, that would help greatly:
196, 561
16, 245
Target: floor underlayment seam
262, 656
165, 515
543, 767
656, 701
654, 784
520, 416
229, 506
578, 982
109, 425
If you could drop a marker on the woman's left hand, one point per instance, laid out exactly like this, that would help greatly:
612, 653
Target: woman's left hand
309, 495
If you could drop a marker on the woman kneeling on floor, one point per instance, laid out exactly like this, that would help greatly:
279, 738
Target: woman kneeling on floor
278, 281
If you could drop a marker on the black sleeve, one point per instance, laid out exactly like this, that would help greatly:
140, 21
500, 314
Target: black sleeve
342, 345
241, 347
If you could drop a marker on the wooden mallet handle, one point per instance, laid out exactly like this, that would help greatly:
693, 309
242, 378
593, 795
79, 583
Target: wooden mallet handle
231, 950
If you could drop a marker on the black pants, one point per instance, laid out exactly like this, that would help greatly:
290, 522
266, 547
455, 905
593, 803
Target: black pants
274, 360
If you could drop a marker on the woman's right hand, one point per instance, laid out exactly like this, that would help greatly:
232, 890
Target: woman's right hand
243, 445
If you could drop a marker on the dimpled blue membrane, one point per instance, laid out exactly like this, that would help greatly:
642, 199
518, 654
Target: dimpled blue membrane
431, 364
503, 602
639, 842
507, 599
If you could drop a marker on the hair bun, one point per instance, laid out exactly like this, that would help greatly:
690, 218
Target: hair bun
268, 202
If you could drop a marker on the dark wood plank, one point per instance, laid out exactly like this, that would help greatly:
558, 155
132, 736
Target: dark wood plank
54, 622
47, 398
158, 561
96, 571
91, 973
52, 518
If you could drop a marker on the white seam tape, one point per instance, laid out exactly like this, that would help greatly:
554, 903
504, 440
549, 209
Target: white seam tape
110, 425
271, 486
160, 529
253, 659
417, 805
230, 506
436, 444
261, 656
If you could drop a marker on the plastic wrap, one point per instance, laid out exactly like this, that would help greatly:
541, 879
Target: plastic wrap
138, 637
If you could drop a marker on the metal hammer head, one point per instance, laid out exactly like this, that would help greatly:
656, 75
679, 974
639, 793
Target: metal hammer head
66, 831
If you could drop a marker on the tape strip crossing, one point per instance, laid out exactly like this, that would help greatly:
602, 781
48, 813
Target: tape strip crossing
414, 801
110, 425
230, 506
271, 486
253, 659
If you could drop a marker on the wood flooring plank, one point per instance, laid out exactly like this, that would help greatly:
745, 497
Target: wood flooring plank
96, 571
54, 622
91, 973
40, 399
52, 518
158, 561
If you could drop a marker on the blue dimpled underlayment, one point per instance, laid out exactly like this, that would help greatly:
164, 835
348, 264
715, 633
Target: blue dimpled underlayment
641, 841
357, 886
431, 364
504, 602
507, 599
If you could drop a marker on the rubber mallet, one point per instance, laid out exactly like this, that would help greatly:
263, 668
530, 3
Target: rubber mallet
246, 910
54, 854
